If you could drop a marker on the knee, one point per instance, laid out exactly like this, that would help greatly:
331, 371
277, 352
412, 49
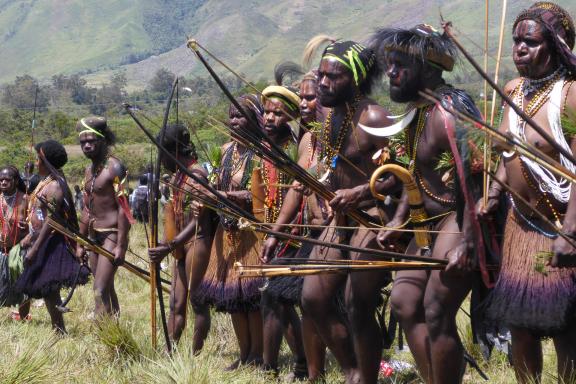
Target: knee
312, 304
435, 315
403, 308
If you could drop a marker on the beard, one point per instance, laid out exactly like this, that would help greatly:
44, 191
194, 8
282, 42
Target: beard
405, 92
331, 100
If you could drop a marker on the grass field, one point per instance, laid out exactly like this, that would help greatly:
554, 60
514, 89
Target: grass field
120, 352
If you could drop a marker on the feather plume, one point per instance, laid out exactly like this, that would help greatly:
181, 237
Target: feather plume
312, 47
286, 69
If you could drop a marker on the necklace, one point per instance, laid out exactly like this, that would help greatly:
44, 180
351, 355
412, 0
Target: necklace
273, 179
412, 149
332, 139
32, 202
530, 86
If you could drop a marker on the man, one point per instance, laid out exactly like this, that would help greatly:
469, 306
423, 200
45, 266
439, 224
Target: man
313, 211
106, 216
544, 37
281, 107
180, 226
140, 200
346, 74
49, 263
426, 303
31, 179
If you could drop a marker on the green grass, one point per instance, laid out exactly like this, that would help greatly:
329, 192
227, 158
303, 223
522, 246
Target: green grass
120, 352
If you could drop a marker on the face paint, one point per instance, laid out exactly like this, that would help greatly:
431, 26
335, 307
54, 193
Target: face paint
404, 74
531, 51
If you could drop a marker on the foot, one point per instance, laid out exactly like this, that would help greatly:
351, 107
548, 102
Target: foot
234, 366
15, 315
299, 373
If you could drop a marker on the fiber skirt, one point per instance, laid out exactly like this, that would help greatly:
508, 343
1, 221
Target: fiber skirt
287, 289
221, 286
528, 293
55, 267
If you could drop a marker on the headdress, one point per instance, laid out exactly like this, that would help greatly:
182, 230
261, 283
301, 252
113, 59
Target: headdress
560, 26
92, 124
422, 41
288, 98
357, 58
96, 125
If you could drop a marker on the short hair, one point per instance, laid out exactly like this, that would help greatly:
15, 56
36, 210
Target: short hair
177, 139
143, 179
18, 182
53, 152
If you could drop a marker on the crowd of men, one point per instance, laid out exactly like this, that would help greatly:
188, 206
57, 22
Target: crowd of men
508, 238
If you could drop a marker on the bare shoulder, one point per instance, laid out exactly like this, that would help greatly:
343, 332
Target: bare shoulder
116, 167
512, 85
374, 115
53, 192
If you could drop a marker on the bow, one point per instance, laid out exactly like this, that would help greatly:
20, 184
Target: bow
154, 193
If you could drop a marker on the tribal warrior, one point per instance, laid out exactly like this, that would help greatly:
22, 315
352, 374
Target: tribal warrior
106, 216
426, 303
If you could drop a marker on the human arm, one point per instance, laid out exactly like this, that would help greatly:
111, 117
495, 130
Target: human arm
158, 253
387, 237
119, 174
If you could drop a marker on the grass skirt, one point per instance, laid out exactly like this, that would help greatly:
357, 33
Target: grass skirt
527, 294
287, 289
222, 286
54, 268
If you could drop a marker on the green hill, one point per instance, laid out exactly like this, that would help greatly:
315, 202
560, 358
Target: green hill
46, 37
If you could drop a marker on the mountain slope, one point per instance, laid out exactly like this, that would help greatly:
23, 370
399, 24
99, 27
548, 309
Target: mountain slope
46, 37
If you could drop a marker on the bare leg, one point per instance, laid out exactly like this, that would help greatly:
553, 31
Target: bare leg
444, 295
178, 294
362, 299
293, 333
201, 327
526, 356
51, 301
273, 318
256, 342
242, 331
566, 350
315, 349
318, 293
104, 282
407, 304
24, 309
103, 279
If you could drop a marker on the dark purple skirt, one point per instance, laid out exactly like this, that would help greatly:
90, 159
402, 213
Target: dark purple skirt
54, 268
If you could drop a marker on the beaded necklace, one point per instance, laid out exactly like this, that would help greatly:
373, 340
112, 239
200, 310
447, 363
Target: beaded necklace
232, 163
37, 191
543, 195
332, 139
272, 179
412, 149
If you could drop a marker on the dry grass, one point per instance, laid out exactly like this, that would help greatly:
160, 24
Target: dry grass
120, 352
